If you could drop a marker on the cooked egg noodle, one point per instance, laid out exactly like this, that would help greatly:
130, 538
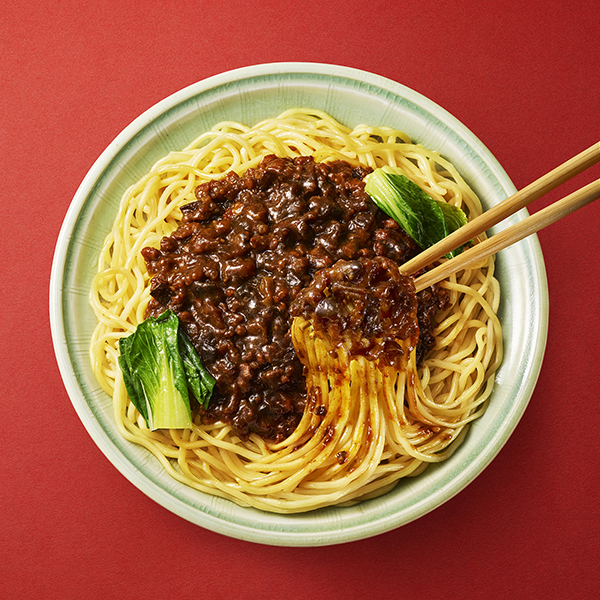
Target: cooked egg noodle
365, 427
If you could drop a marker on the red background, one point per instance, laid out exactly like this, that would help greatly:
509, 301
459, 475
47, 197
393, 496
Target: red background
523, 76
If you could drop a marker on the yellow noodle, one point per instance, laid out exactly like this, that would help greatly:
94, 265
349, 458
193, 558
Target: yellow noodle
359, 434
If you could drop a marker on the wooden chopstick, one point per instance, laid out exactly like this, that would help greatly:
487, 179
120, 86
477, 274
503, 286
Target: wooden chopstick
511, 235
506, 208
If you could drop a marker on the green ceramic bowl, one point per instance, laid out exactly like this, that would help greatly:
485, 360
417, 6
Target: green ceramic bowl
250, 95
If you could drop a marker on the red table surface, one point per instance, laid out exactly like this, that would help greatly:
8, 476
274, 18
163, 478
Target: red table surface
523, 76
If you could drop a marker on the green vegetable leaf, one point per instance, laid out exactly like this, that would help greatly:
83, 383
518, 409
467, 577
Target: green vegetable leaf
160, 366
454, 218
199, 380
426, 220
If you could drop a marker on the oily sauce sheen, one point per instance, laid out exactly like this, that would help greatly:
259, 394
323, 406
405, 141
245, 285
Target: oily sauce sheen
243, 252
366, 305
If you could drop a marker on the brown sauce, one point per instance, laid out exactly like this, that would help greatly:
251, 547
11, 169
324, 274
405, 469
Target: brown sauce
365, 305
244, 251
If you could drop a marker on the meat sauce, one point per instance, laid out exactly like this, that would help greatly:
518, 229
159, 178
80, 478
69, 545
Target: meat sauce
365, 305
243, 252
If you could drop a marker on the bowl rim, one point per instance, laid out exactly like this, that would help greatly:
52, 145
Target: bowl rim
273, 534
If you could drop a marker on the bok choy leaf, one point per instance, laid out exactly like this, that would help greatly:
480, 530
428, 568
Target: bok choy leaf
160, 367
426, 220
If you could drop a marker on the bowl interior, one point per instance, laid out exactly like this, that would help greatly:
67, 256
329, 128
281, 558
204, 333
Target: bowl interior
250, 95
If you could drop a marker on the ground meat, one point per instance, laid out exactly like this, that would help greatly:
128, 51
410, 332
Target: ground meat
243, 252
364, 304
